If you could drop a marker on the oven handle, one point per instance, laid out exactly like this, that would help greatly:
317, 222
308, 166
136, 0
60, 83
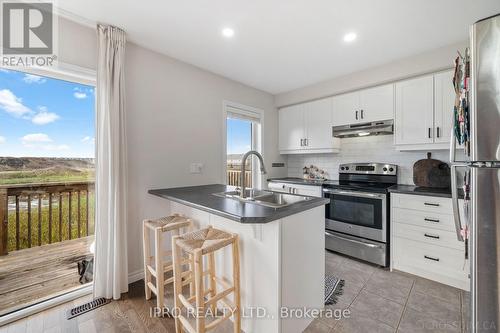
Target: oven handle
351, 240
355, 193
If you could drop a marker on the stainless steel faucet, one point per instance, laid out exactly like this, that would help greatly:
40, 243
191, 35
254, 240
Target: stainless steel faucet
243, 165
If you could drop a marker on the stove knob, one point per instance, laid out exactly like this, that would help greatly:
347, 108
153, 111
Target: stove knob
385, 169
347, 168
342, 168
391, 169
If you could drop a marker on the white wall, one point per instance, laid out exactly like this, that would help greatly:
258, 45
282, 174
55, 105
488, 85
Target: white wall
174, 118
77, 44
427, 62
364, 149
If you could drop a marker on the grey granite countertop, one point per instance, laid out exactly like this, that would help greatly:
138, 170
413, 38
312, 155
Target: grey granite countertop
296, 180
427, 191
203, 198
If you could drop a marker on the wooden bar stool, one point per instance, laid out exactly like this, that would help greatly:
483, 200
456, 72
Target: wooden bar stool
197, 244
162, 265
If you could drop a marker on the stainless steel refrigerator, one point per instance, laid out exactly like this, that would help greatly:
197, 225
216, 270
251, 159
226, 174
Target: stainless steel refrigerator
477, 128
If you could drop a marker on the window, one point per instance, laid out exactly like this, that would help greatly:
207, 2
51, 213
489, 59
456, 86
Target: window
243, 133
47, 180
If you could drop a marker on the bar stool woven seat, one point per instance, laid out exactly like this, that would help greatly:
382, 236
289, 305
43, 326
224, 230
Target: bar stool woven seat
207, 240
168, 223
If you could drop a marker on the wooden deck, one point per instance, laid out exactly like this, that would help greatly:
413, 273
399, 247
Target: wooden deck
31, 275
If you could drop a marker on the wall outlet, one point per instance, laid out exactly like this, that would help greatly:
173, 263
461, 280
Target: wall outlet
196, 168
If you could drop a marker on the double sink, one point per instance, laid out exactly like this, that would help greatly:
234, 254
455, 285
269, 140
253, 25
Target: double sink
264, 198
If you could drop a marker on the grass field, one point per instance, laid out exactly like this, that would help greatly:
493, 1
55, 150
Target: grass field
23, 221
43, 176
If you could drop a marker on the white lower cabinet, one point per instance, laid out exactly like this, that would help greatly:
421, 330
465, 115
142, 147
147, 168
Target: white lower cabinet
424, 242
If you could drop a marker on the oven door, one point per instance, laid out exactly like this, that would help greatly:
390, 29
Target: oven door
357, 213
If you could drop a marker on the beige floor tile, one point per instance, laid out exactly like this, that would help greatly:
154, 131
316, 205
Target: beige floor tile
377, 307
333, 258
353, 274
437, 289
441, 310
317, 326
414, 321
359, 323
393, 286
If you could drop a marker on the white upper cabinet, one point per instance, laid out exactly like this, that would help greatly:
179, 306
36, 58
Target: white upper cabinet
377, 103
318, 121
444, 101
307, 128
291, 127
364, 106
414, 111
424, 112
346, 109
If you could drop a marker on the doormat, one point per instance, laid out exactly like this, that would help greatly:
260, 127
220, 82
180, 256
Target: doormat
334, 287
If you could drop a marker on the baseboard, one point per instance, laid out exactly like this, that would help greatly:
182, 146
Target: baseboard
135, 276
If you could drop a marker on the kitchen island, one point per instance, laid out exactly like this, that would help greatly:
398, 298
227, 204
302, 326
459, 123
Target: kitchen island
282, 252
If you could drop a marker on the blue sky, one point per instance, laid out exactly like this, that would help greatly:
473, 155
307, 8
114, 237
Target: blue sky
239, 136
45, 117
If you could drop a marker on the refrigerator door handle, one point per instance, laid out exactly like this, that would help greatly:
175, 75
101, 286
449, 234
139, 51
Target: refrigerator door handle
454, 199
453, 146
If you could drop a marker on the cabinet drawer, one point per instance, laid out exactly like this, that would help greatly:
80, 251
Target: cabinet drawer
431, 220
441, 260
422, 203
428, 236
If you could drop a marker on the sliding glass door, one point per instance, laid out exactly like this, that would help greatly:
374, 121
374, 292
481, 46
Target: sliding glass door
47, 170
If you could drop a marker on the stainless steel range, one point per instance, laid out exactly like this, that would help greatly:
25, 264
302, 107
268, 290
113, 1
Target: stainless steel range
358, 213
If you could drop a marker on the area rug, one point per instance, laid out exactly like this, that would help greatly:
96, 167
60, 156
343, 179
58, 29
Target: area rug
334, 287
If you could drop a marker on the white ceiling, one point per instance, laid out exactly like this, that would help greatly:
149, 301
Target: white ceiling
281, 45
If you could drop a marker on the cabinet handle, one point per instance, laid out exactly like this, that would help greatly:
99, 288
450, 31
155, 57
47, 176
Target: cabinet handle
431, 204
302, 142
431, 236
431, 258
356, 114
431, 220
429, 133
305, 142
437, 131
361, 113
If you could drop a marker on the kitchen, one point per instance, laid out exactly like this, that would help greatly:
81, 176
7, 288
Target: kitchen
300, 199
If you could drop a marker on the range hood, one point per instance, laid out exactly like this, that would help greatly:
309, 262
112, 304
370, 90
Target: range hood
364, 129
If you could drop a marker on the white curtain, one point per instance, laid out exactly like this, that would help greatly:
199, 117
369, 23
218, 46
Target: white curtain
110, 269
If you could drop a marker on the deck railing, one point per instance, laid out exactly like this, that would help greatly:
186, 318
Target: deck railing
233, 177
62, 211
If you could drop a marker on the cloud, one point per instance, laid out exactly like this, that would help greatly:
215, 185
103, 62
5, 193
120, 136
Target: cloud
41, 141
44, 117
2, 139
88, 139
35, 138
30, 78
13, 104
80, 95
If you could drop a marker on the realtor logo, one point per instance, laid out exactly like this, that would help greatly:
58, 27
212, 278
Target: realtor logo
27, 31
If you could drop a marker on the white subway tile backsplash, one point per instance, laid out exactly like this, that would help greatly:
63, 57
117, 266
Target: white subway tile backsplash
364, 149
